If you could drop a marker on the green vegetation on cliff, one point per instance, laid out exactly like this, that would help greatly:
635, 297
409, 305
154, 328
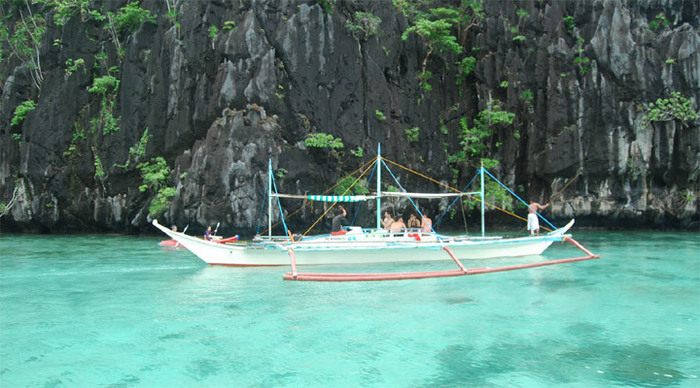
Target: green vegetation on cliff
156, 176
675, 107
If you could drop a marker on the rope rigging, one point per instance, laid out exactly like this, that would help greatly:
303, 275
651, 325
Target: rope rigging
364, 169
305, 203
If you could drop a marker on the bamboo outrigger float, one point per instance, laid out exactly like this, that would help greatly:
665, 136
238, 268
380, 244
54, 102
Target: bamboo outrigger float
357, 245
462, 271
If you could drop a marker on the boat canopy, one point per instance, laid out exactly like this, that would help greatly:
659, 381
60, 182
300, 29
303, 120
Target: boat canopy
339, 198
423, 195
328, 198
361, 198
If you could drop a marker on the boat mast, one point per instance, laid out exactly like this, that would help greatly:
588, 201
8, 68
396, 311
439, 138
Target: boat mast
481, 172
269, 197
379, 185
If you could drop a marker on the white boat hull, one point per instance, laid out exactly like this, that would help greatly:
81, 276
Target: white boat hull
363, 248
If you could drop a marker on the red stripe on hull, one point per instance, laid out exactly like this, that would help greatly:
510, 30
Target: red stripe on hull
248, 265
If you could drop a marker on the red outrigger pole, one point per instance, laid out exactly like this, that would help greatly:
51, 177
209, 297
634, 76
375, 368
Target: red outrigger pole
350, 277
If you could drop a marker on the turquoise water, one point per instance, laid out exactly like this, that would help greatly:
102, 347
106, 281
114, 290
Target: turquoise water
116, 311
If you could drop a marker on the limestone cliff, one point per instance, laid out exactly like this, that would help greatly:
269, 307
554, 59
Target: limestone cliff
216, 88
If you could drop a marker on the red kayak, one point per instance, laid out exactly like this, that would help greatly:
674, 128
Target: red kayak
227, 240
170, 243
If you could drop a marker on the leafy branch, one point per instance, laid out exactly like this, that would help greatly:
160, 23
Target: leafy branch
349, 185
323, 140
443, 29
675, 107
363, 26
437, 36
21, 112
136, 151
126, 21
156, 174
473, 141
107, 86
173, 15
24, 38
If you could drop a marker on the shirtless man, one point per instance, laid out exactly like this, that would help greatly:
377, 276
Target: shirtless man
533, 223
397, 226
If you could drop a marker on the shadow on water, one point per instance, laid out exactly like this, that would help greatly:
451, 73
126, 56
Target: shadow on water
637, 364
459, 300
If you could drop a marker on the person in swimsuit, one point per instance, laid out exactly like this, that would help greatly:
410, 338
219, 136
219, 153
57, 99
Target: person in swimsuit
426, 224
387, 221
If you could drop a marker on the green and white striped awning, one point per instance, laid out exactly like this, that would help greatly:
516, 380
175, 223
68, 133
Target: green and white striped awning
337, 198
328, 198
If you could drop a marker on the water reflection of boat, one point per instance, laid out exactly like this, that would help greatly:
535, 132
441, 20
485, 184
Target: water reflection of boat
170, 244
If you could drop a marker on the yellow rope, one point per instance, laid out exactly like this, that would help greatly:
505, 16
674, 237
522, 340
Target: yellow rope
345, 192
420, 175
459, 191
578, 174
327, 190
349, 175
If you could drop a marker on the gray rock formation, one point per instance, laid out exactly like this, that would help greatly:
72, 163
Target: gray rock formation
218, 102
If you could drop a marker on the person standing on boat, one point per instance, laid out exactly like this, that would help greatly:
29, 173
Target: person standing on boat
533, 223
387, 221
413, 222
426, 224
339, 219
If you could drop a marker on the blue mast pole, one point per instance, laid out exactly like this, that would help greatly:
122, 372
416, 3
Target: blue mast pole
379, 185
269, 197
483, 227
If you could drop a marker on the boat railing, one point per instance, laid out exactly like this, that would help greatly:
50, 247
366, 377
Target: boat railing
410, 233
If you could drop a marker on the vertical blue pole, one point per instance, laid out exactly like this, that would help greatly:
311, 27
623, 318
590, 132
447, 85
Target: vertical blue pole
483, 199
269, 197
379, 185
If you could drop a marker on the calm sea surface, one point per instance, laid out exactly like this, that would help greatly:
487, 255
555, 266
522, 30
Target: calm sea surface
116, 311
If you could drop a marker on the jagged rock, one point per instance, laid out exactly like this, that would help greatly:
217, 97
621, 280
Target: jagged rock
217, 108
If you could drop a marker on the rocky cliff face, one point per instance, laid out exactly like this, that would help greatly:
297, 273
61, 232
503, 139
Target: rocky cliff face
218, 87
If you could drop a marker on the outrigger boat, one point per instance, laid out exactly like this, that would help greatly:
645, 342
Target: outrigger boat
357, 245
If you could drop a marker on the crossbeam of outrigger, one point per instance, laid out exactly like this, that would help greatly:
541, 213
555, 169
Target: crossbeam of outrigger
462, 271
